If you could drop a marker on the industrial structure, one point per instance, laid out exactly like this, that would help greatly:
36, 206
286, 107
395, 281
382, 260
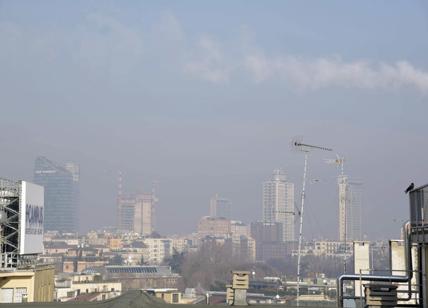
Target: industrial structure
405, 285
21, 222
21, 240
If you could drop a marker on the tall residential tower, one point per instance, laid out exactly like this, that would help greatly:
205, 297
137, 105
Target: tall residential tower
278, 203
350, 203
136, 213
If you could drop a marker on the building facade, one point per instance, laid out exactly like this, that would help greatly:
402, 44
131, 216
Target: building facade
350, 203
61, 185
214, 227
220, 207
143, 277
269, 241
158, 249
136, 213
35, 284
278, 203
144, 214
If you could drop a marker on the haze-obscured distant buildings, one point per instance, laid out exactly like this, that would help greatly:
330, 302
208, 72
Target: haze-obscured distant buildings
350, 203
269, 240
135, 213
61, 184
214, 227
220, 207
278, 203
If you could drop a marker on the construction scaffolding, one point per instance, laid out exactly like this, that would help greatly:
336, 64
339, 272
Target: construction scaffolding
9, 223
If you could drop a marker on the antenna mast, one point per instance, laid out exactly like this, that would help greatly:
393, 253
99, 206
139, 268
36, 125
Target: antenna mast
299, 146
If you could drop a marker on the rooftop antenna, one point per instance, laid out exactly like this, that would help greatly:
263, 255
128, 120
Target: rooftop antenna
297, 145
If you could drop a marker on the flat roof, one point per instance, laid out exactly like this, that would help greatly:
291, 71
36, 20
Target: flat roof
139, 299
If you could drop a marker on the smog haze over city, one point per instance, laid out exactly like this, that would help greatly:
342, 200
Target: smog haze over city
204, 98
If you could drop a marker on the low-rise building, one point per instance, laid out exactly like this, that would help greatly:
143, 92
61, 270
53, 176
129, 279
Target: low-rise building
143, 277
158, 249
71, 287
326, 248
214, 226
33, 284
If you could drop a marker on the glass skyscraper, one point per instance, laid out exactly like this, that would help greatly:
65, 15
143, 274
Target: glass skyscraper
61, 185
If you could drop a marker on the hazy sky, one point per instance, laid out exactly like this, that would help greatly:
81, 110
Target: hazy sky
205, 97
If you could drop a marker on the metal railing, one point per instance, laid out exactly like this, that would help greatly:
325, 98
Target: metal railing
383, 278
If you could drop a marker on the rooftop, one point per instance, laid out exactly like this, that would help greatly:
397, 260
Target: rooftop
139, 299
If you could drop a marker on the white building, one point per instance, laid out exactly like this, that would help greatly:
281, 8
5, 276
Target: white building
278, 203
68, 288
158, 249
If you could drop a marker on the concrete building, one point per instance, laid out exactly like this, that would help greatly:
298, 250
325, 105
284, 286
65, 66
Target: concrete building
325, 249
238, 228
125, 213
158, 249
143, 277
278, 203
170, 296
266, 232
34, 284
182, 244
269, 243
136, 213
61, 184
214, 226
350, 203
71, 287
144, 214
220, 207
244, 248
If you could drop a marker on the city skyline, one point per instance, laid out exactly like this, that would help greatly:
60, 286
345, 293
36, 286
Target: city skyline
213, 153
164, 92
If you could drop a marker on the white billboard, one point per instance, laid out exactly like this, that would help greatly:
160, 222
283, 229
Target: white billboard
31, 217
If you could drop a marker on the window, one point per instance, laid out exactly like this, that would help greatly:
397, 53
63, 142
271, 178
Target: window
175, 298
